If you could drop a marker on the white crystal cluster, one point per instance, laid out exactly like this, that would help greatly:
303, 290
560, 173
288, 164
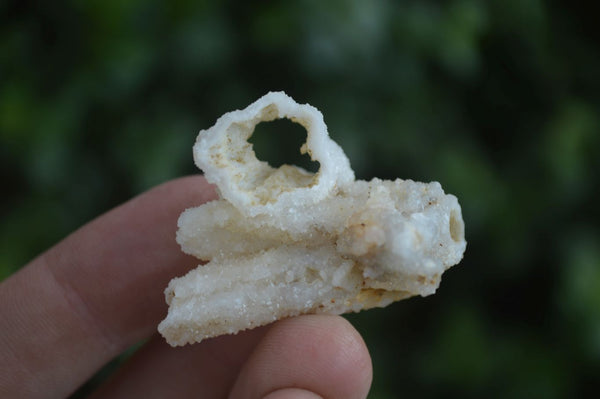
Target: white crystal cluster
282, 242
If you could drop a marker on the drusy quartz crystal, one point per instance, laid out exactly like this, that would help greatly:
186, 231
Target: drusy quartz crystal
282, 241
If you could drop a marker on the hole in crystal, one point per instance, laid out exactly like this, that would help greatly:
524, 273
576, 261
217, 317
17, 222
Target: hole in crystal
278, 142
456, 227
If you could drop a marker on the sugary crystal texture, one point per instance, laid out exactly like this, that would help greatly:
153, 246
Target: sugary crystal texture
282, 241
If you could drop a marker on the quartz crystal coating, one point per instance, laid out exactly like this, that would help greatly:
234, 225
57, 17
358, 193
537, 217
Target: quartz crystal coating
282, 241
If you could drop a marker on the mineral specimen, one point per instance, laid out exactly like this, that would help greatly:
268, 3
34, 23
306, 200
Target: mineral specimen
282, 242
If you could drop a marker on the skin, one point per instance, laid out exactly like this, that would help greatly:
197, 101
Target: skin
100, 290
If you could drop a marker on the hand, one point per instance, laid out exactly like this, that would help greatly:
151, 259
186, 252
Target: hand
99, 291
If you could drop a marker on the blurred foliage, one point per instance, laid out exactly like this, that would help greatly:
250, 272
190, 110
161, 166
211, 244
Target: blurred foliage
498, 100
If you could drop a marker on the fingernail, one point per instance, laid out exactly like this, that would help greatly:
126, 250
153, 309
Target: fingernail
292, 393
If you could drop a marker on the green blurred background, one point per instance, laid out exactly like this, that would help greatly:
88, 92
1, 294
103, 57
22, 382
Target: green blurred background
498, 100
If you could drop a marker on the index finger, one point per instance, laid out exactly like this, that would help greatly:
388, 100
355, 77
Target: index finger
94, 294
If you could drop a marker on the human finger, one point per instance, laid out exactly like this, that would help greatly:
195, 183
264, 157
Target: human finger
320, 354
94, 294
205, 370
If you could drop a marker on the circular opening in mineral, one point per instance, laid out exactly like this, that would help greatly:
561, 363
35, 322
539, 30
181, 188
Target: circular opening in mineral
278, 143
456, 227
